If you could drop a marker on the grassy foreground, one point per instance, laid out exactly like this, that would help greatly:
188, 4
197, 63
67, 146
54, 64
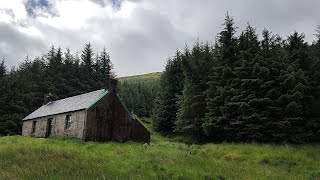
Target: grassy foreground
58, 158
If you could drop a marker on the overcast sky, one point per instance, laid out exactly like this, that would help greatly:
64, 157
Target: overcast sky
139, 34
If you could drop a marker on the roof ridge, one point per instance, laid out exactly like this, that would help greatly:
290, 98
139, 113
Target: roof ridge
75, 96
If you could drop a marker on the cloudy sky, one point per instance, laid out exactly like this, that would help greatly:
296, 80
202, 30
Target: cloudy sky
139, 34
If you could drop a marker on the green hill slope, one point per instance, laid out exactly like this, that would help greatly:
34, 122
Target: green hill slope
139, 92
142, 77
58, 158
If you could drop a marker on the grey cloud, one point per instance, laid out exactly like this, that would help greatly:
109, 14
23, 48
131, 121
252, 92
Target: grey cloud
14, 45
146, 50
156, 29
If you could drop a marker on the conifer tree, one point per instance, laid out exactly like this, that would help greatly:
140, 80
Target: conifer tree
51, 56
273, 58
313, 125
297, 88
221, 76
318, 35
86, 68
242, 115
3, 95
87, 61
192, 104
3, 70
171, 83
68, 57
106, 65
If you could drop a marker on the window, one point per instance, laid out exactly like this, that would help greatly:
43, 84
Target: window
49, 127
34, 124
68, 121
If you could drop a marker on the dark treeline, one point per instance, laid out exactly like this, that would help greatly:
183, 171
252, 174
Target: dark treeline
243, 89
61, 73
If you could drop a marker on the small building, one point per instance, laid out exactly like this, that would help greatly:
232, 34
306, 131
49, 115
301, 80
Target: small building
95, 116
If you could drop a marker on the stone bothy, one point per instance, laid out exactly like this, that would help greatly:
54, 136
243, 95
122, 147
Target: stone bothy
95, 116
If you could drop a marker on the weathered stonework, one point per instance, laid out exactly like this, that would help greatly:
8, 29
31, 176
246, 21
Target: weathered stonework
58, 125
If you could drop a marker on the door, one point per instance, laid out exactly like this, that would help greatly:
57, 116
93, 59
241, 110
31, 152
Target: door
49, 127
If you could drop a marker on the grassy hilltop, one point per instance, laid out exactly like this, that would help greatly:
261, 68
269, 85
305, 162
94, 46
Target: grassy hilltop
164, 158
143, 77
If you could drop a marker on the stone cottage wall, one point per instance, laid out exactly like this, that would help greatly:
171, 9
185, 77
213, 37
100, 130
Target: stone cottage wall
41, 127
58, 125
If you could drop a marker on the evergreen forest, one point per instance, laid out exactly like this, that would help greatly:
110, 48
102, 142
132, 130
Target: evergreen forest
244, 87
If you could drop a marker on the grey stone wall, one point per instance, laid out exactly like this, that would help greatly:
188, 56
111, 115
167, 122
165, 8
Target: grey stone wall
41, 127
58, 125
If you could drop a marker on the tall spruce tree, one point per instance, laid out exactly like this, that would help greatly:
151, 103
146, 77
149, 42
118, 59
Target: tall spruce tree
51, 70
313, 125
297, 88
243, 117
273, 59
192, 105
3, 70
106, 64
87, 61
171, 84
317, 35
3, 95
87, 57
221, 76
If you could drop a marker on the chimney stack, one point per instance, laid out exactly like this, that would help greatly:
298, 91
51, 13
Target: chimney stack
111, 85
48, 98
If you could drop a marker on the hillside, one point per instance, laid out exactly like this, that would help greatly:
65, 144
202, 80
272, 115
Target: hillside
164, 158
139, 92
143, 77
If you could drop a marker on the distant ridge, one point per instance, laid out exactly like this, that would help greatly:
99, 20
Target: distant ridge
148, 76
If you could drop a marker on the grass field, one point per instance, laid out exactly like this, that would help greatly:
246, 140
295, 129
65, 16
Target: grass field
164, 158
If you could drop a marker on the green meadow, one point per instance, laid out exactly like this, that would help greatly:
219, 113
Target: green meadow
165, 158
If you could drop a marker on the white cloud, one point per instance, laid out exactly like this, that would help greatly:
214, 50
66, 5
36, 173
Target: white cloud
31, 31
126, 10
73, 14
6, 18
16, 6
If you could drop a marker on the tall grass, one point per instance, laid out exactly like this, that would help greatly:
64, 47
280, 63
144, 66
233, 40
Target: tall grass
63, 158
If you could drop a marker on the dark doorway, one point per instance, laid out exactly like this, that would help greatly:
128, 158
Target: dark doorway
49, 127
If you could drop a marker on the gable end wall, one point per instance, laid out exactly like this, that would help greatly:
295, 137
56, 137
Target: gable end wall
109, 120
